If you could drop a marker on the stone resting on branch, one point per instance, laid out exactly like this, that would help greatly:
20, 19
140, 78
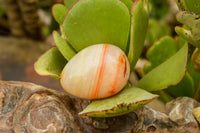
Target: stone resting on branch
27, 107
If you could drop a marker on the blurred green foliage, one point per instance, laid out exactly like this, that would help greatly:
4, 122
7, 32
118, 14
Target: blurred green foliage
159, 8
2, 9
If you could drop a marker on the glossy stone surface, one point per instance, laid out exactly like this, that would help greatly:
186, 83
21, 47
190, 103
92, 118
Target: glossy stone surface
98, 71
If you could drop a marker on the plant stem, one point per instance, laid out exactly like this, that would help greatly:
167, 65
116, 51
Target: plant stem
164, 96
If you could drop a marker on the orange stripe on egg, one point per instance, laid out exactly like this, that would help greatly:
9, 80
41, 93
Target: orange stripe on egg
100, 71
121, 61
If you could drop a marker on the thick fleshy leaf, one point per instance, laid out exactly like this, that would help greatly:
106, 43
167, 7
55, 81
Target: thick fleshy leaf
156, 30
69, 3
128, 100
50, 63
194, 70
189, 5
188, 86
192, 21
167, 47
186, 34
194, 74
65, 49
160, 52
91, 22
59, 12
139, 24
180, 41
166, 74
128, 3
184, 88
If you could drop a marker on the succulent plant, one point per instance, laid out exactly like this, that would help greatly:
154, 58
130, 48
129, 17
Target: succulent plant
189, 5
191, 33
189, 15
123, 25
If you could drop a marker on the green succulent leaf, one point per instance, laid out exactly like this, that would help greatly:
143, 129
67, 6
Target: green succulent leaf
192, 21
50, 63
129, 4
180, 41
167, 47
69, 3
128, 100
186, 34
160, 52
166, 74
156, 30
91, 22
184, 88
65, 49
59, 12
194, 73
189, 5
139, 24
194, 69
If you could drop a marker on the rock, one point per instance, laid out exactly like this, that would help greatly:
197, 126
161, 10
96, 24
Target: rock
177, 119
27, 107
152, 121
180, 110
196, 113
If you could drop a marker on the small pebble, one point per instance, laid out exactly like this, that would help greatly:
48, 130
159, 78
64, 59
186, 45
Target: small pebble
196, 113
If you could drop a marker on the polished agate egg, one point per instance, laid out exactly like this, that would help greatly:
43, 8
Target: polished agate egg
98, 71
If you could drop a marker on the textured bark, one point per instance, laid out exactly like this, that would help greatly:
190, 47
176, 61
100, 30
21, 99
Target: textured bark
23, 18
29, 13
27, 107
14, 18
